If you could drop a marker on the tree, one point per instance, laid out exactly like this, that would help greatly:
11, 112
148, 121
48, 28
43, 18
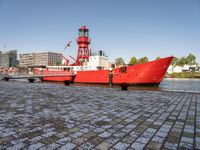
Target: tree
157, 58
119, 61
142, 60
174, 63
182, 61
191, 59
58, 63
133, 61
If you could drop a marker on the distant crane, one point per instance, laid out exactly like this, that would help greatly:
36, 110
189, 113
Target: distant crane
73, 59
66, 60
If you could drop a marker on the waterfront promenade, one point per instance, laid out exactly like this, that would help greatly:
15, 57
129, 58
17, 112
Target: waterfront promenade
54, 116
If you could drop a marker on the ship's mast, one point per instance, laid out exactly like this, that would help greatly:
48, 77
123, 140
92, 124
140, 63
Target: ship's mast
83, 42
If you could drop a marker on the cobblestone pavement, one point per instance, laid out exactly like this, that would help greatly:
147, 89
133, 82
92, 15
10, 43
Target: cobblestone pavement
54, 116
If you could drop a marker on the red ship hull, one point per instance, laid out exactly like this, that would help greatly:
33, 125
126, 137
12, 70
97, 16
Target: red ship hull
58, 78
148, 74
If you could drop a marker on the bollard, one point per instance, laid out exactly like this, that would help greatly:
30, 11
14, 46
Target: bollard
110, 77
124, 86
6, 78
31, 80
66, 82
41, 79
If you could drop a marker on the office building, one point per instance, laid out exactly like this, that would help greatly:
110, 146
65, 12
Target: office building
0, 57
39, 59
8, 59
26, 60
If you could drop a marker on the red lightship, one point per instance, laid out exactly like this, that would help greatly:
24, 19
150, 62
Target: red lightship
94, 68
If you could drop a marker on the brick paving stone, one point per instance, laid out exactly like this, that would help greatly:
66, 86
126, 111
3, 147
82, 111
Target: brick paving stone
96, 140
161, 134
50, 140
84, 130
67, 146
197, 145
187, 134
197, 139
86, 146
158, 139
113, 139
49, 134
128, 139
151, 130
186, 142
35, 139
99, 130
172, 146
119, 134
52, 146
138, 145
16, 146
153, 145
76, 134
105, 134
143, 140
90, 134
107, 126
35, 146
104, 146
54, 116
189, 129
148, 134
121, 146
79, 140
64, 140
173, 139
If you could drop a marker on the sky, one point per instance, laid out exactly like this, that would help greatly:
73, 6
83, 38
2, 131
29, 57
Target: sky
121, 28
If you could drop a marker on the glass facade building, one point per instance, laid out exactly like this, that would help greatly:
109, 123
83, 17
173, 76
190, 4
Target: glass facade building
8, 59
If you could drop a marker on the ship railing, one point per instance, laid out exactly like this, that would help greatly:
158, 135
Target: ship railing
39, 73
18, 74
56, 73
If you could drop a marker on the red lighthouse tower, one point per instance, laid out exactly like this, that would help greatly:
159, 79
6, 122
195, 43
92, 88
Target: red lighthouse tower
83, 42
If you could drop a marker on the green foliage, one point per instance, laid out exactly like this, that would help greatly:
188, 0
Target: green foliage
157, 58
133, 61
191, 59
182, 61
58, 63
185, 75
174, 61
119, 61
142, 60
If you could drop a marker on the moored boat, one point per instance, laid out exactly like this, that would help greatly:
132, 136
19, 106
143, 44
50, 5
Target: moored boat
94, 69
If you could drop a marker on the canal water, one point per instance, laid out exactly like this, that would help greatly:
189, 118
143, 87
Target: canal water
168, 84
183, 85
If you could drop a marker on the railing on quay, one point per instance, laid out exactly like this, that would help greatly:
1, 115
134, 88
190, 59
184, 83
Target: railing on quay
34, 76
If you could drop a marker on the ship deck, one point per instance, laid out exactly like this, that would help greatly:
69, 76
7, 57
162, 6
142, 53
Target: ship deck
51, 116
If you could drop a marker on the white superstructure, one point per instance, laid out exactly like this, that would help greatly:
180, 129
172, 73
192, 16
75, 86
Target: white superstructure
96, 62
